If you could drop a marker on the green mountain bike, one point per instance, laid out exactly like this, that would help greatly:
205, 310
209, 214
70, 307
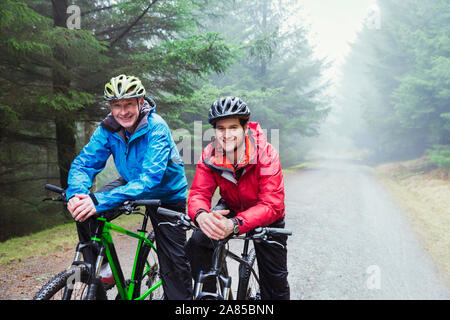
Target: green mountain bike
82, 281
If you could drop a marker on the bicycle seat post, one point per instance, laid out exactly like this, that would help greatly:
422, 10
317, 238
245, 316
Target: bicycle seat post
148, 212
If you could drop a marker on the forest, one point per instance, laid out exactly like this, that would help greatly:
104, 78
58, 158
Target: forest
56, 56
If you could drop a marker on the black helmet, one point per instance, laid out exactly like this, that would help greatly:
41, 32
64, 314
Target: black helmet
228, 107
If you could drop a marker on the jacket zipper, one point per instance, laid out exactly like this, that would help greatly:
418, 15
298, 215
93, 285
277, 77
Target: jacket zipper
127, 143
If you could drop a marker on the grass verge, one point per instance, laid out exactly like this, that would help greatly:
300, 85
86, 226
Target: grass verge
298, 167
44, 243
424, 195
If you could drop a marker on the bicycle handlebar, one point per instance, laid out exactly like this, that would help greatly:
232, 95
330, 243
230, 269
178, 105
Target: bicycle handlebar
258, 233
173, 214
153, 203
182, 219
126, 205
54, 188
274, 231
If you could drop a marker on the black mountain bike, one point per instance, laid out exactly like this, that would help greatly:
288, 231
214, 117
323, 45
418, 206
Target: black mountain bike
248, 286
82, 280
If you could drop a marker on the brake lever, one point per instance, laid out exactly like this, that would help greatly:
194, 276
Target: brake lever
137, 211
187, 222
169, 223
274, 242
127, 208
60, 198
265, 238
261, 235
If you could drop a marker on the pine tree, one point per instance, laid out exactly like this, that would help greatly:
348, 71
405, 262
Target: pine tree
402, 72
53, 76
276, 74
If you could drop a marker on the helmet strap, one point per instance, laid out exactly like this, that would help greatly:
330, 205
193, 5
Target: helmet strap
139, 104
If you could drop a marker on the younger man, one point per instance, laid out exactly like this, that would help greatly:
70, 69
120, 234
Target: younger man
247, 170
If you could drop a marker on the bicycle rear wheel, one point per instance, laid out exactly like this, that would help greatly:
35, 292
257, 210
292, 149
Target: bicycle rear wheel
70, 284
248, 287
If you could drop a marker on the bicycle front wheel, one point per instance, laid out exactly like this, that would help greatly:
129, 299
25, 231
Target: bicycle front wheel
70, 284
248, 287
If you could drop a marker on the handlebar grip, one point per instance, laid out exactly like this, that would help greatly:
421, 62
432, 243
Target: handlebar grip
153, 203
54, 188
279, 231
170, 213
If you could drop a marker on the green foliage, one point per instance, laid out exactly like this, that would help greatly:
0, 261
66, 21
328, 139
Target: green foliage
397, 79
8, 114
16, 22
263, 47
73, 100
440, 155
200, 54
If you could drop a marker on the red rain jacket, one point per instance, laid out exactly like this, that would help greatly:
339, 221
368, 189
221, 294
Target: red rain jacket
257, 196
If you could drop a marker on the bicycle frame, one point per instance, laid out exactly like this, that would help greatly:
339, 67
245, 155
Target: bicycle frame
103, 238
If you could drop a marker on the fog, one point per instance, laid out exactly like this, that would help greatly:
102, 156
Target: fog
388, 100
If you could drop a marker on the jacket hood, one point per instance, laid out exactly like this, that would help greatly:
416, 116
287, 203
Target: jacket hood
257, 134
110, 123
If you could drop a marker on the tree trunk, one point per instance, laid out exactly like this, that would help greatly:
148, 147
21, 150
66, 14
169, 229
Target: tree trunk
263, 66
65, 144
65, 123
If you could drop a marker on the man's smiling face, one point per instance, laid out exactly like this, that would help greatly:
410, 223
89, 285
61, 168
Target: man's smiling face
230, 134
126, 112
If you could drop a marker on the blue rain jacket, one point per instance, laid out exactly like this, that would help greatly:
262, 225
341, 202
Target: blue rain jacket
149, 161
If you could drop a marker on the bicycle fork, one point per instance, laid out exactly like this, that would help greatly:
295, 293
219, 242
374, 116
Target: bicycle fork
95, 285
215, 273
224, 281
94, 279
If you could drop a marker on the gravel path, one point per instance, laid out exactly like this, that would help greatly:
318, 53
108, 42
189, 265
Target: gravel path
350, 240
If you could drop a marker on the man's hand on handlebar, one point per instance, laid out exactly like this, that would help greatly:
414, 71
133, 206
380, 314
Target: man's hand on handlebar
214, 225
259, 234
81, 207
